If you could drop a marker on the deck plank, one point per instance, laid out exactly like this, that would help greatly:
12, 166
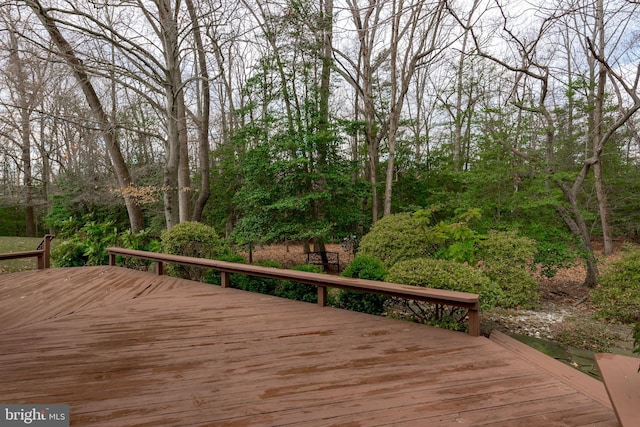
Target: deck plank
130, 348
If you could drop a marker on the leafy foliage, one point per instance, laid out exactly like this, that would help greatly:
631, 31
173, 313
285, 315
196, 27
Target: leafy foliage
258, 284
88, 245
369, 268
507, 259
299, 291
406, 236
397, 238
213, 276
555, 247
617, 296
190, 239
446, 274
443, 274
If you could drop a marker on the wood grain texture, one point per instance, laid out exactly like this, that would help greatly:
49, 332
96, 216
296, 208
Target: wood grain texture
126, 348
622, 381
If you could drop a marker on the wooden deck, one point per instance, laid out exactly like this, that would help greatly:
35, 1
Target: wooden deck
126, 348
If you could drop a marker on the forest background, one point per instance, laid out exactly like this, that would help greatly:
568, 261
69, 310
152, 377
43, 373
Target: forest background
292, 120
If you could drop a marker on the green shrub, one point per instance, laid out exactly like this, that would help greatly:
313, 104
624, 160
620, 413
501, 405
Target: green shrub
190, 239
69, 253
406, 236
300, 291
88, 246
507, 259
213, 276
555, 247
397, 237
617, 296
369, 268
443, 274
261, 285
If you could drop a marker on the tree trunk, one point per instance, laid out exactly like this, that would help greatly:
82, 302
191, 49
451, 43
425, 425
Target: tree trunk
30, 220
136, 218
184, 176
203, 117
169, 35
575, 221
601, 193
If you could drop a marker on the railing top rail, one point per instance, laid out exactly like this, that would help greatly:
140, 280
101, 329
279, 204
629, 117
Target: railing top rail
461, 299
21, 254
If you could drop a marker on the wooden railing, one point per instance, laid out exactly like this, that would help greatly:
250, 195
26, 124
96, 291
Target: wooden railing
322, 281
43, 253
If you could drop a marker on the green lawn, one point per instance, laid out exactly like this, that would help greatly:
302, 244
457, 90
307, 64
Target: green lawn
17, 244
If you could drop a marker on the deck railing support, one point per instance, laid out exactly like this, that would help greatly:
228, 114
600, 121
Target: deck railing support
321, 281
322, 296
42, 253
225, 279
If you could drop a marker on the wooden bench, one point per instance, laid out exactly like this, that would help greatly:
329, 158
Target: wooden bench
329, 261
323, 281
622, 381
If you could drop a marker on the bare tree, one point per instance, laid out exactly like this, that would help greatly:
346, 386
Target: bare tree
416, 28
67, 53
532, 66
368, 21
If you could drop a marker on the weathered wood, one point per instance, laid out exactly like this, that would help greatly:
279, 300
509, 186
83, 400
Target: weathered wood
38, 254
436, 296
123, 347
622, 381
42, 253
584, 383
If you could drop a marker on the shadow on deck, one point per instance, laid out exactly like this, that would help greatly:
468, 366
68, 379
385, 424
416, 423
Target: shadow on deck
129, 348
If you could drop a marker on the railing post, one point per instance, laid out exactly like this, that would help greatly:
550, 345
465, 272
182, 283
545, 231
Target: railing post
40, 261
112, 259
47, 251
322, 296
159, 268
225, 279
474, 321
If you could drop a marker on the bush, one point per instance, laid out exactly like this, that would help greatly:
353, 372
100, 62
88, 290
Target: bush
443, 274
261, 285
300, 291
406, 236
369, 268
88, 246
69, 253
190, 239
397, 238
213, 276
507, 259
617, 296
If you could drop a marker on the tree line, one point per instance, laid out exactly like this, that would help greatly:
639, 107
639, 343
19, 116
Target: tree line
280, 120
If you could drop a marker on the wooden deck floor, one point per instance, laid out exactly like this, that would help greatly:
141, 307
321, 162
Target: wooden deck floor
125, 348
